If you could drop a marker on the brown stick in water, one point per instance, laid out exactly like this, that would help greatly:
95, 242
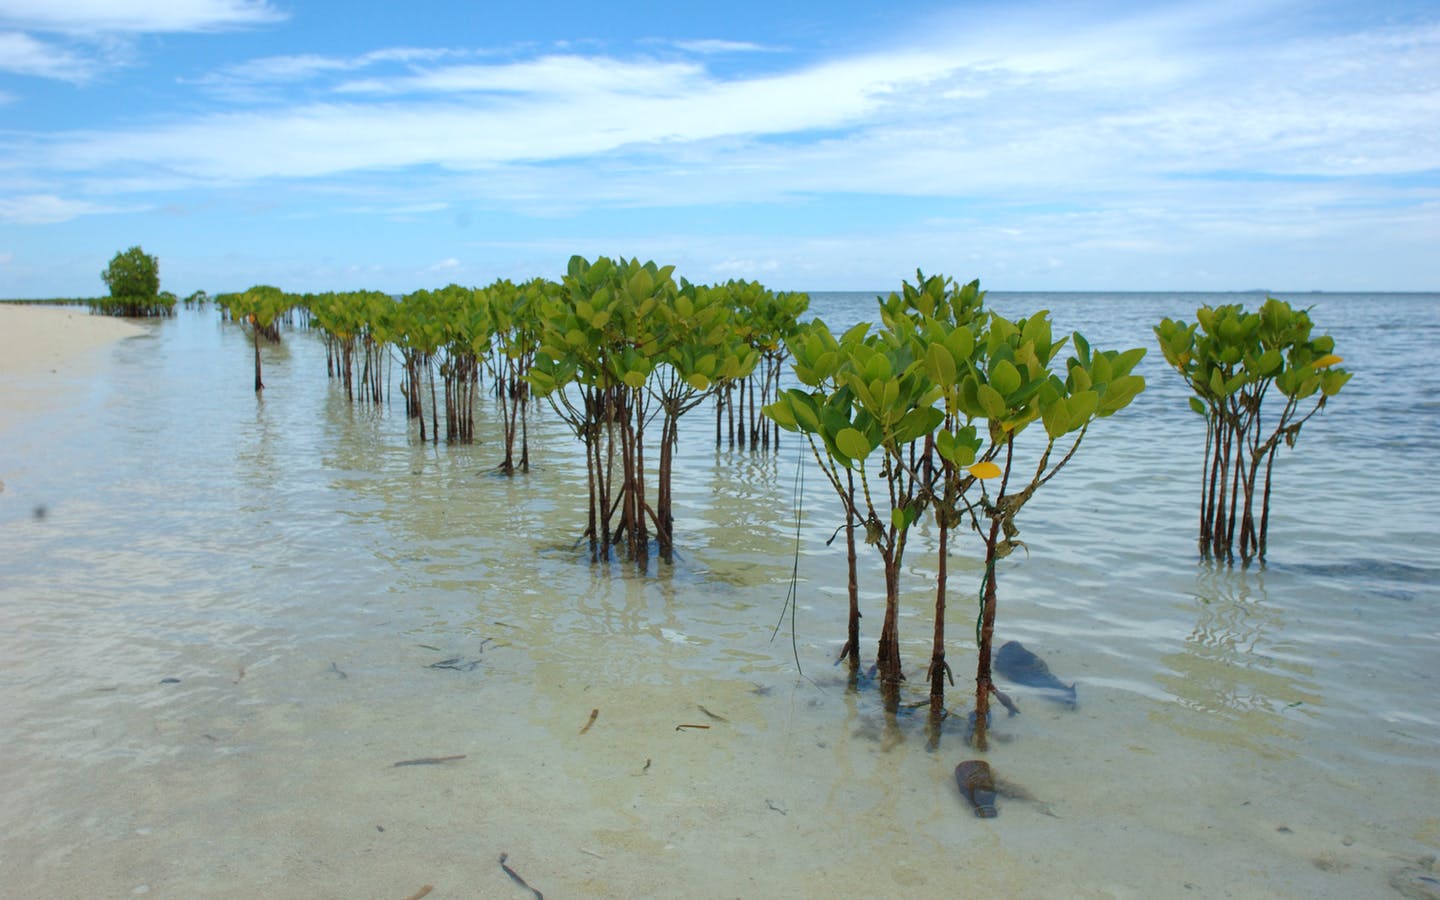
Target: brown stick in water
594, 713
429, 760
421, 893
681, 727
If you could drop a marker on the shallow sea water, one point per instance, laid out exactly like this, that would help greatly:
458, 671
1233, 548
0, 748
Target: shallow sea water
298, 562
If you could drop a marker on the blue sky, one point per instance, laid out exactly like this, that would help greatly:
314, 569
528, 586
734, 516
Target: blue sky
812, 146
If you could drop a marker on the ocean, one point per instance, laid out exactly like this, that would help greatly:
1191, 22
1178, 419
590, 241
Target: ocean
222, 616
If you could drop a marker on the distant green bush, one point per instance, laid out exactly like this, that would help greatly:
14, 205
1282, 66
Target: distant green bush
133, 278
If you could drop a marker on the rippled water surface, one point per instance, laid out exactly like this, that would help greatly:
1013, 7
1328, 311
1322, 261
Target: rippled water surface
217, 642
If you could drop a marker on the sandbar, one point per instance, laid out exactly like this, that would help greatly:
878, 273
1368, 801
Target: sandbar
44, 350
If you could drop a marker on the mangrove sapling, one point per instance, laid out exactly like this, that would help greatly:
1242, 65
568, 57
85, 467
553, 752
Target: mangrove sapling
514, 313
942, 321
597, 349
1009, 384
334, 316
419, 335
467, 330
375, 319
816, 362
356, 328
765, 321
699, 353
884, 402
1231, 359
258, 308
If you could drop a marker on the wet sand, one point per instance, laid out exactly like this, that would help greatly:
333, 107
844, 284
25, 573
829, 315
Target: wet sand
49, 349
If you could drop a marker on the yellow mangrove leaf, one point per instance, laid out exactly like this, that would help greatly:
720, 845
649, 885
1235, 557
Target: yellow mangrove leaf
1328, 360
984, 470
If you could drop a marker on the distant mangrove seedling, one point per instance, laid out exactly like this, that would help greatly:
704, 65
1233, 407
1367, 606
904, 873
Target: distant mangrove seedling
259, 309
1231, 359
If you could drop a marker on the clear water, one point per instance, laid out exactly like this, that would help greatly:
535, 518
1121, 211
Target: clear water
297, 563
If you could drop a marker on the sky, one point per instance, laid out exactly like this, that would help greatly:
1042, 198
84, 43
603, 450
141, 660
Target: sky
368, 144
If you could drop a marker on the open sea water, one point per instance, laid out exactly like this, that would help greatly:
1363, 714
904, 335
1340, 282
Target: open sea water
218, 641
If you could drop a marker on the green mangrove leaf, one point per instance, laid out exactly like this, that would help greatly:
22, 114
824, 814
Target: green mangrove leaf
1055, 417
1331, 382
917, 423
1119, 393
781, 414
1005, 378
955, 448
940, 365
1080, 407
804, 409
991, 402
852, 443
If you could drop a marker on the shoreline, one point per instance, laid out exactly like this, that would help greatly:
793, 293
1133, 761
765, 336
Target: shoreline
33, 338
46, 350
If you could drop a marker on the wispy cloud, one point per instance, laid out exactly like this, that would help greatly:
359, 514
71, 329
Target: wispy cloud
48, 209
21, 54
548, 75
707, 47
136, 16
300, 67
86, 37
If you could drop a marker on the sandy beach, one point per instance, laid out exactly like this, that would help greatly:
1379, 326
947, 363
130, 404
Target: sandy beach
44, 349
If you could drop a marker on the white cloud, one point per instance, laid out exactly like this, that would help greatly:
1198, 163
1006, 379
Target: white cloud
301, 67
21, 54
955, 116
136, 16
551, 75
719, 46
48, 209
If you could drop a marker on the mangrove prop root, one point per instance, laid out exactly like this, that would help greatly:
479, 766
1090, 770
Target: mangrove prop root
517, 879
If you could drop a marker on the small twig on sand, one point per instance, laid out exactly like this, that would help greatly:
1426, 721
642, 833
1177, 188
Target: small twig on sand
429, 760
517, 879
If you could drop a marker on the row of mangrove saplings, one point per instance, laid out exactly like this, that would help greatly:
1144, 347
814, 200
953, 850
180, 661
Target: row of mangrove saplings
918, 416
616, 347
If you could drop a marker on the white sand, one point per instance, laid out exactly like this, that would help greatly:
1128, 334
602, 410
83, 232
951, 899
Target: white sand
49, 349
